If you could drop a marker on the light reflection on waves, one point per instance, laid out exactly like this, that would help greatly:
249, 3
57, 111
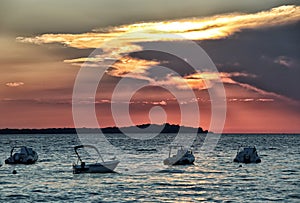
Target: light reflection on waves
212, 178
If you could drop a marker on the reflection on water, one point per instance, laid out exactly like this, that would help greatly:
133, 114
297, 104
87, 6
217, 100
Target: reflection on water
212, 178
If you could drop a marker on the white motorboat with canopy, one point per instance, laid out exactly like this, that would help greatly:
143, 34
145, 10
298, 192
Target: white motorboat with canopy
26, 155
247, 155
184, 156
102, 167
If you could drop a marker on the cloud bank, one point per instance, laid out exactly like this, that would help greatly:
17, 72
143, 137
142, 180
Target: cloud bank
215, 27
128, 38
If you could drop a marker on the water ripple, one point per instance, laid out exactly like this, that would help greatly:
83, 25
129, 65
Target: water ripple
213, 178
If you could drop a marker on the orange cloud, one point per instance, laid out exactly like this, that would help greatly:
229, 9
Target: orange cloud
14, 84
131, 67
116, 42
215, 27
265, 100
205, 80
121, 40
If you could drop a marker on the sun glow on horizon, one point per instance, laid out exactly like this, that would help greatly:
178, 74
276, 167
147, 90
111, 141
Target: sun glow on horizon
32, 91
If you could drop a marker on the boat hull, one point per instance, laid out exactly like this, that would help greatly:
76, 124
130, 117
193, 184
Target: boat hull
104, 167
185, 160
246, 161
10, 160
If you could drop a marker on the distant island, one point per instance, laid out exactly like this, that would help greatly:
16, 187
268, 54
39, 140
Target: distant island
168, 128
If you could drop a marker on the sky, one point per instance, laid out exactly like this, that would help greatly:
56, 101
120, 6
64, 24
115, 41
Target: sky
247, 56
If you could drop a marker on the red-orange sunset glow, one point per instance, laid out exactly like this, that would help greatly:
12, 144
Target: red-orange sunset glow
256, 54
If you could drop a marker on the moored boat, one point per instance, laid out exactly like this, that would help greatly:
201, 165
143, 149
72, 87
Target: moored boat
98, 167
247, 155
26, 155
184, 156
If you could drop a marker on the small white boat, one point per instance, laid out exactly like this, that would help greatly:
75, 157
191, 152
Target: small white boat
101, 167
26, 155
184, 156
247, 155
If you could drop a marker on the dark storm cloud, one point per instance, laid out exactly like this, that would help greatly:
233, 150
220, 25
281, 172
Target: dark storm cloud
262, 53
166, 60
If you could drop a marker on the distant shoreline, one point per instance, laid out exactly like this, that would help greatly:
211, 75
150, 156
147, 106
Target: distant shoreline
168, 128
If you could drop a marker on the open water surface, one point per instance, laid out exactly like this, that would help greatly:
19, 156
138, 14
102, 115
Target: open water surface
213, 178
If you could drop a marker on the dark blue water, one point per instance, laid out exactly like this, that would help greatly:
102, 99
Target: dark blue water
214, 177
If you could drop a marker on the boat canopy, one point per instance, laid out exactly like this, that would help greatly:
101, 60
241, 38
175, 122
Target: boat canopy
87, 146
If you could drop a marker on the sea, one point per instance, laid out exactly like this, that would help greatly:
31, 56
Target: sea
142, 177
